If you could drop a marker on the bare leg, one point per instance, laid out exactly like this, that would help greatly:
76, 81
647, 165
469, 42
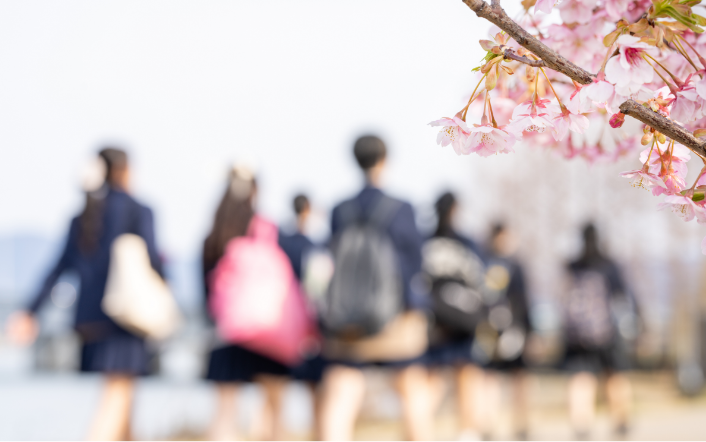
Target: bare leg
470, 380
417, 405
342, 396
491, 392
273, 387
619, 392
520, 409
316, 410
112, 418
223, 425
436, 390
582, 402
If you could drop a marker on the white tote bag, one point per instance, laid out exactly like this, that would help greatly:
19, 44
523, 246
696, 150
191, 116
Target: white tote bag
136, 297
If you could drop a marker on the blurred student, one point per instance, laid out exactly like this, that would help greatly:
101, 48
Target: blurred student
596, 297
230, 365
509, 319
455, 271
109, 212
372, 315
297, 246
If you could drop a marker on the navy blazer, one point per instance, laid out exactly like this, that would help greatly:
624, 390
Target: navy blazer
404, 235
295, 246
121, 214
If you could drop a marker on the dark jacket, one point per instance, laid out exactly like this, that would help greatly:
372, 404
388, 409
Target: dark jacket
403, 232
295, 246
121, 214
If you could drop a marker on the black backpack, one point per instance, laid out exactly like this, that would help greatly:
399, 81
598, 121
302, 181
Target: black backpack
366, 291
456, 275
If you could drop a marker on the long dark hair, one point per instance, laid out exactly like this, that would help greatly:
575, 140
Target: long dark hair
233, 215
444, 210
91, 219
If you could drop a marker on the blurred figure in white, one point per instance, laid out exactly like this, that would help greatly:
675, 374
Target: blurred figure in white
298, 247
508, 317
110, 211
597, 312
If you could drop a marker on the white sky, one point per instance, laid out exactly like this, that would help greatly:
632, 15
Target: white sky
190, 86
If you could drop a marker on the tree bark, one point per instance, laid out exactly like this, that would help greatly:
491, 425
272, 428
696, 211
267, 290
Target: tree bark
664, 125
497, 16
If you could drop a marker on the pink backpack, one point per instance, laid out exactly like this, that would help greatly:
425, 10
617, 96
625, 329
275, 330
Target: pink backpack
256, 300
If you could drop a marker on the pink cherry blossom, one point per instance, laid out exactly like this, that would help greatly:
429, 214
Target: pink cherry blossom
616, 8
643, 179
530, 116
629, 70
685, 207
687, 105
486, 140
454, 131
565, 121
544, 6
577, 11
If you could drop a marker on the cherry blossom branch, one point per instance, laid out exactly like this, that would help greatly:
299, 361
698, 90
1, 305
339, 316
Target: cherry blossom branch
496, 15
665, 126
522, 59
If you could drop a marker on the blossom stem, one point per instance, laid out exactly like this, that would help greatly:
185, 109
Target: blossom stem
465, 109
701, 59
693, 186
671, 86
552, 87
492, 116
647, 163
607, 57
683, 53
678, 82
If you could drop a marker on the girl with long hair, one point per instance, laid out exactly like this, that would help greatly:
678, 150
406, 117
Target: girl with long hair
109, 212
230, 365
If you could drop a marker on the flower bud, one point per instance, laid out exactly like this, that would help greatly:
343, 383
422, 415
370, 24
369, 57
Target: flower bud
662, 138
531, 73
617, 120
646, 139
647, 129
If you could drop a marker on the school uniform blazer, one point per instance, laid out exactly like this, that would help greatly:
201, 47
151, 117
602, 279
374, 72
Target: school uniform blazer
405, 237
121, 214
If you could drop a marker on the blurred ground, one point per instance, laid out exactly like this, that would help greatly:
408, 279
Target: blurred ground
661, 414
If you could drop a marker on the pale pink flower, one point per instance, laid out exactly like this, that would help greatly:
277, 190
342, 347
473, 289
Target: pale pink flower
700, 87
685, 207
454, 131
577, 11
687, 105
599, 91
629, 70
486, 140
544, 6
581, 44
530, 116
643, 179
671, 169
565, 121
616, 8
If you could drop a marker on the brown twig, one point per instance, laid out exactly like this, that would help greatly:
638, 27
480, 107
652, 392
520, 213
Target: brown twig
497, 16
664, 125
508, 53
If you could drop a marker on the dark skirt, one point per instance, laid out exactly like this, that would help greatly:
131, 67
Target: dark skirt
121, 353
234, 363
311, 370
451, 353
612, 358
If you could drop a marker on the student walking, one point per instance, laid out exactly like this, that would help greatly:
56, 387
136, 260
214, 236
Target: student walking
298, 248
372, 313
509, 318
121, 355
595, 300
455, 270
230, 364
